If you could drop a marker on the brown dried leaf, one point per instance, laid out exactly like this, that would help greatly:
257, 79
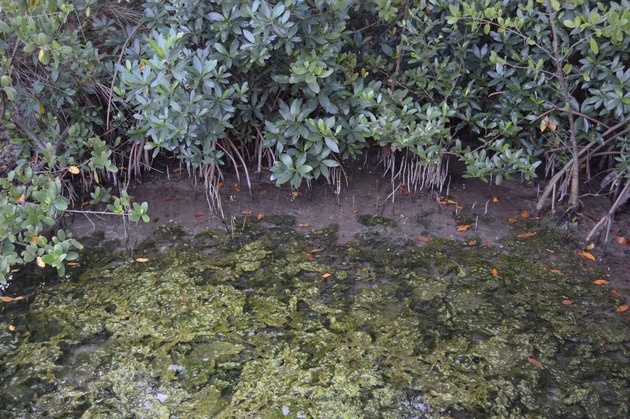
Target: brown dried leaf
326, 275
316, 250
536, 363
586, 255
512, 220
525, 235
622, 241
425, 239
463, 227
525, 214
260, 217
567, 302
246, 212
601, 282
494, 272
622, 309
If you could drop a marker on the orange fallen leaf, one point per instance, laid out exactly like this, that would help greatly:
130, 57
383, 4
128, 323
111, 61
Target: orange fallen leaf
73, 263
246, 212
237, 189
472, 242
316, 250
567, 302
200, 215
622, 241
303, 225
494, 272
556, 271
495, 200
74, 170
525, 235
11, 328
425, 239
536, 363
326, 275
586, 255
85, 203
463, 227
20, 199
622, 309
616, 231
260, 217
183, 303
512, 220
525, 214
442, 202
616, 293
486, 244
355, 211
601, 282
295, 194
7, 299
142, 260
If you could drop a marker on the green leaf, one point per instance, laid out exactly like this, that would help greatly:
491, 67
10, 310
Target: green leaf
594, 46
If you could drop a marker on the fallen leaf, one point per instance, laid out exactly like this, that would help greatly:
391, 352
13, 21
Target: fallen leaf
556, 271
200, 215
622, 240
355, 211
486, 244
463, 227
294, 194
586, 255
11, 328
303, 225
512, 220
472, 242
567, 302
263, 192
590, 246
495, 200
260, 217
536, 363
142, 260
20, 199
183, 303
74, 170
7, 299
246, 212
40, 262
454, 195
494, 272
73, 263
616, 231
21, 297
525, 235
85, 203
237, 189
601, 282
326, 275
316, 250
425, 239
309, 257
525, 214
616, 293
622, 309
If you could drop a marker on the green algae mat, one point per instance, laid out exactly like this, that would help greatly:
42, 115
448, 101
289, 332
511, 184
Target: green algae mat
264, 321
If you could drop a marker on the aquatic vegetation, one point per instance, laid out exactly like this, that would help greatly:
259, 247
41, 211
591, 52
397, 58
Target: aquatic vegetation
265, 321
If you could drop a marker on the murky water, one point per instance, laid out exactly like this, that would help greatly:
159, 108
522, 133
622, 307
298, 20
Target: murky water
266, 321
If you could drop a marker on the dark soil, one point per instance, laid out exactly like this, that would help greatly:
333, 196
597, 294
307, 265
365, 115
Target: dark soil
492, 212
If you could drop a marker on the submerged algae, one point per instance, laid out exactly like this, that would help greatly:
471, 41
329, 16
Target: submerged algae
253, 323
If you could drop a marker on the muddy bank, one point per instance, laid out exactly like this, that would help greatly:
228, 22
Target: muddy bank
270, 319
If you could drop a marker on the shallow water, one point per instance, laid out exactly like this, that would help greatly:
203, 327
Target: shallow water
269, 321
